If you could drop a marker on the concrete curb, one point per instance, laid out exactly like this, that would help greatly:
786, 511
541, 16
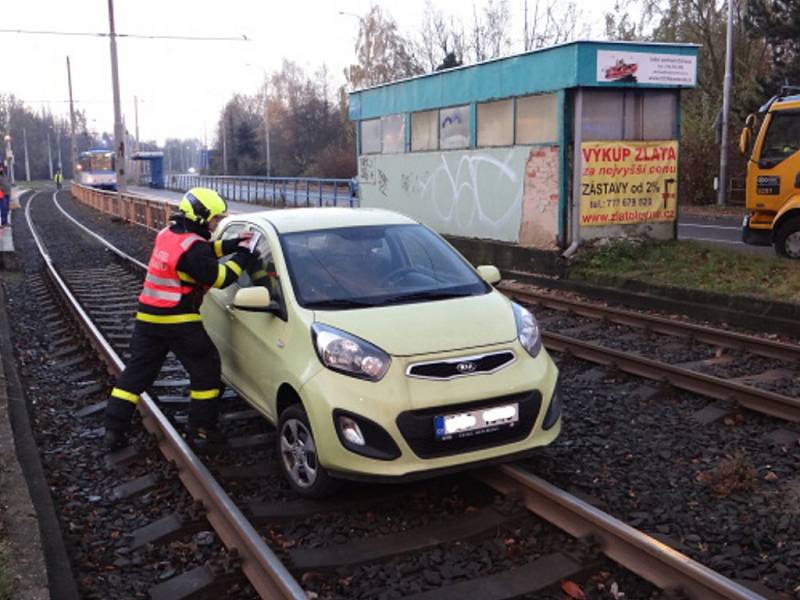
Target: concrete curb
40, 545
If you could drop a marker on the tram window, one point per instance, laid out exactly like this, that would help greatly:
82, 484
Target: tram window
454, 127
371, 136
496, 123
536, 119
425, 130
394, 138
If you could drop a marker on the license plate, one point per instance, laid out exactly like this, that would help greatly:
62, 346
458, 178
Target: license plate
475, 422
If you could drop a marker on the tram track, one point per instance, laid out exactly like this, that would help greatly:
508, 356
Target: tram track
681, 572
750, 396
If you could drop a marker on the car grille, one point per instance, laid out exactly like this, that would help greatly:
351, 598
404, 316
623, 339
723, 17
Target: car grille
418, 430
463, 366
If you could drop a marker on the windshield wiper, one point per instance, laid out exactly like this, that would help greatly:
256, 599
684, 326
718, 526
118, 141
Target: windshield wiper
428, 295
339, 303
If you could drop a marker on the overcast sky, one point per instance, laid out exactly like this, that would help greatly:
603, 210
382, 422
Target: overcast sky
182, 85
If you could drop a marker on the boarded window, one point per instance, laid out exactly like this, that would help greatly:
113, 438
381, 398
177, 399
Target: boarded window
661, 108
454, 127
371, 136
425, 130
537, 119
602, 115
496, 123
394, 134
629, 115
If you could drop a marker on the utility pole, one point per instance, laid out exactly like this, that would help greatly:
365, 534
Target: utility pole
136, 123
58, 149
266, 127
73, 147
119, 131
722, 189
224, 144
25, 149
49, 155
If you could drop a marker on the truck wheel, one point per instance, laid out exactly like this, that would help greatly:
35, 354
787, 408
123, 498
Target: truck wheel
787, 238
298, 455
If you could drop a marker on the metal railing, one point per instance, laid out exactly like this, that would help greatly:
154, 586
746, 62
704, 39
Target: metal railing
134, 208
272, 191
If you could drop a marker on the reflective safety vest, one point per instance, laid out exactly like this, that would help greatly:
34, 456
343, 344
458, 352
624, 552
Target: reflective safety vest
163, 287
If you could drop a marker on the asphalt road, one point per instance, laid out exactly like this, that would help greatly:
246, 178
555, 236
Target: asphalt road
723, 232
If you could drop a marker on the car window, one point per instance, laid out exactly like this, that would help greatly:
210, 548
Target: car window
375, 265
262, 271
782, 139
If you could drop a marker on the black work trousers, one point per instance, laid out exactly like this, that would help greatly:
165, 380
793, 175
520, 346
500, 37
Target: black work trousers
150, 344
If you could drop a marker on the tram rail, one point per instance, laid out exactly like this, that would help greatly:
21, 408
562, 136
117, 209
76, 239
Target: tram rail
751, 397
263, 569
632, 549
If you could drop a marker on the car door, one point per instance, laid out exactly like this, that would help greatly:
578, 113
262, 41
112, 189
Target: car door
258, 339
216, 317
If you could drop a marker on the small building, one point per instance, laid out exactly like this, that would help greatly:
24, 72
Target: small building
542, 149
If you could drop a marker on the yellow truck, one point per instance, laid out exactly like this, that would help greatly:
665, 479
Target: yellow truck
773, 174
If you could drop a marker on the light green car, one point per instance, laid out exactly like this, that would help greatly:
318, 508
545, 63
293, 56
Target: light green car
377, 350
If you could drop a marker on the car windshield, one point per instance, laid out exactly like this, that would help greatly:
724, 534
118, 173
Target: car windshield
354, 267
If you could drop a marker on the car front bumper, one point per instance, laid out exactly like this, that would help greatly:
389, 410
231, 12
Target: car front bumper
404, 408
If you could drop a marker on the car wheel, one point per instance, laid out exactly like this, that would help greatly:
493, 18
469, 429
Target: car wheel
298, 455
787, 238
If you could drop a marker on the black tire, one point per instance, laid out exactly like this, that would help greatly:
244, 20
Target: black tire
301, 467
786, 229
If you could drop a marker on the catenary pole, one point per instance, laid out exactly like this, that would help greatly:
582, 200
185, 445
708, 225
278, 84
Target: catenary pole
49, 155
25, 149
119, 131
73, 148
722, 189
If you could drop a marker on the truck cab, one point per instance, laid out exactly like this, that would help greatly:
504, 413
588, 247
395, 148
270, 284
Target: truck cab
773, 175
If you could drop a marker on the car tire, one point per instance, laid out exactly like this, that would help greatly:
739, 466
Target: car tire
298, 456
787, 238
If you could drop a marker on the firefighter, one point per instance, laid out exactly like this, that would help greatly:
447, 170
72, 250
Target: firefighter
182, 267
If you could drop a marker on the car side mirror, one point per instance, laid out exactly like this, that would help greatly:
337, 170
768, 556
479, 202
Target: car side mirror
489, 273
254, 299
744, 141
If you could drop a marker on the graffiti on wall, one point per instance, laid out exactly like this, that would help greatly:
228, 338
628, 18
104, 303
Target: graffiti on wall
471, 193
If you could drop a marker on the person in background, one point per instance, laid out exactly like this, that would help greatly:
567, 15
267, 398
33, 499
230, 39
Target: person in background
5, 197
58, 178
183, 266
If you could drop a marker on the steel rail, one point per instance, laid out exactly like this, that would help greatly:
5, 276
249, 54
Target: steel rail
260, 565
656, 324
659, 564
763, 401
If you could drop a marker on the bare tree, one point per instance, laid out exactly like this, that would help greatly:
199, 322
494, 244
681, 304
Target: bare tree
490, 30
440, 37
383, 54
549, 22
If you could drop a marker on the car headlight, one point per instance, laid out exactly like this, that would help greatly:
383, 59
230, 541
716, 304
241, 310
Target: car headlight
527, 330
348, 354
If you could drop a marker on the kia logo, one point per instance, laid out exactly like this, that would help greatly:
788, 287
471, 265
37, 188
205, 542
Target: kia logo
466, 367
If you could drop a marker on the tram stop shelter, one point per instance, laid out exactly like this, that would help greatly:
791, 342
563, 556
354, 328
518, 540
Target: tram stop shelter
153, 172
544, 149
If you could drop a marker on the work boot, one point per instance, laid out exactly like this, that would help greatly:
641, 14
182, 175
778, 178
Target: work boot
115, 440
205, 436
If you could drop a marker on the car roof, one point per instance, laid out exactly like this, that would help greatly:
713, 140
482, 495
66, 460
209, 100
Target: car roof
310, 219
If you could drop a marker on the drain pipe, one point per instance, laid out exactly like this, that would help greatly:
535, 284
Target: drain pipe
577, 163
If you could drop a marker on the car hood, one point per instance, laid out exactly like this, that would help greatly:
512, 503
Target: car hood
429, 327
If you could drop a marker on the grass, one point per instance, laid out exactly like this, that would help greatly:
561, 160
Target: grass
6, 577
690, 265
